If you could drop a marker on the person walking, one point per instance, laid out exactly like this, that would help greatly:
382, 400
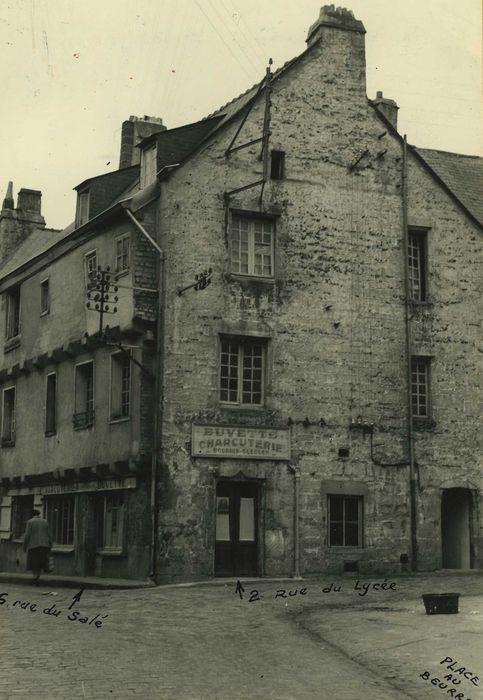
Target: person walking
37, 543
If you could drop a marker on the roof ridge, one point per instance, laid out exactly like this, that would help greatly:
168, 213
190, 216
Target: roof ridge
451, 153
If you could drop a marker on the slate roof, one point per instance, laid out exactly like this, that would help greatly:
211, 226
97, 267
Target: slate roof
462, 174
39, 241
175, 145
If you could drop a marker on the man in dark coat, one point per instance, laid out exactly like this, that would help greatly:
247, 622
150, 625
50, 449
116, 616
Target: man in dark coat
37, 543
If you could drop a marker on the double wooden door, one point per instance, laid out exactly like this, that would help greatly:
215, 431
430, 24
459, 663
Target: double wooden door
236, 545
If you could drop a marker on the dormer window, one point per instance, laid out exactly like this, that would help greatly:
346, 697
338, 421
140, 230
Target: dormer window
148, 166
82, 215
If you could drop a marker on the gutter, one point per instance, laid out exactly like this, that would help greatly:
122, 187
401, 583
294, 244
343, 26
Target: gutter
157, 399
408, 318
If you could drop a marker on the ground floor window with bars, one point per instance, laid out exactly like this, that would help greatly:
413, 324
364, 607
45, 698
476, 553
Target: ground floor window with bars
345, 521
110, 521
22, 509
242, 369
59, 512
420, 396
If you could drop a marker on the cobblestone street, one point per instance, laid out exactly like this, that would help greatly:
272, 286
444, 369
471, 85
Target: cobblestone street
192, 643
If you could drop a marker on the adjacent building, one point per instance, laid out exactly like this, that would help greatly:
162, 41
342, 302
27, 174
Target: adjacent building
317, 406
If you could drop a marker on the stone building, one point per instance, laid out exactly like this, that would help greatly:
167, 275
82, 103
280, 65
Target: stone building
320, 401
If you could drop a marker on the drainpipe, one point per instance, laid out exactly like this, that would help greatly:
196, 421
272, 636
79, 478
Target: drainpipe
158, 401
296, 532
408, 317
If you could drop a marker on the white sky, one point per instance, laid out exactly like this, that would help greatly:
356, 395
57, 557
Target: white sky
73, 70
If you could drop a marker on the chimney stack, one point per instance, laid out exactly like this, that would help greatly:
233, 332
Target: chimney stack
387, 107
16, 224
29, 203
330, 16
134, 130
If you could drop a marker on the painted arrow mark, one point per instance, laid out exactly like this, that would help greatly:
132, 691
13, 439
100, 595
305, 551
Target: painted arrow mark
239, 589
76, 598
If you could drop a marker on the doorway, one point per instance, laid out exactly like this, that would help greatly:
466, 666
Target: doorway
455, 528
236, 540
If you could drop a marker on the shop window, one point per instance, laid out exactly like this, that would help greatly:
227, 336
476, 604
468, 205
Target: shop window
84, 395
12, 329
420, 390
59, 512
90, 266
44, 297
8, 417
242, 368
277, 165
345, 521
82, 214
417, 264
120, 385
122, 254
51, 404
110, 521
22, 507
252, 246
148, 166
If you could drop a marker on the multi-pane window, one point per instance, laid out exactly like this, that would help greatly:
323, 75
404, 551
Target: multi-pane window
51, 404
122, 253
120, 385
8, 417
417, 264
84, 395
59, 512
277, 165
44, 297
82, 208
420, 387
110, 521
22, 507
252, 246
90, 261
148, 166
345, 521
13, 313
242, 371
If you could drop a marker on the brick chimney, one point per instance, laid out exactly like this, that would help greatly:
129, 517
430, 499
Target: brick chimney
341, 40
134, 130
17, 224
387, 107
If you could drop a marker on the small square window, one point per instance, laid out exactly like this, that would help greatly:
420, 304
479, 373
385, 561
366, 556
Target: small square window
44, 297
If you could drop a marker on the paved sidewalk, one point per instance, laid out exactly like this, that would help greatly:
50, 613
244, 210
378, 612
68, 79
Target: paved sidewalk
91, 582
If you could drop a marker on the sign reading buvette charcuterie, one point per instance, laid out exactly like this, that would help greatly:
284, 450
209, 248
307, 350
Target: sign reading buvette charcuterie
240, 442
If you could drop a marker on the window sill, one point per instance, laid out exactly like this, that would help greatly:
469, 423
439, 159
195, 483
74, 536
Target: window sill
12, 343
17, 540
121, 273
50, 433
44, 313
245, 407
249, 279
345, 548
122, 419
62, 549
110, 552
422, 304
423, 424
7, 443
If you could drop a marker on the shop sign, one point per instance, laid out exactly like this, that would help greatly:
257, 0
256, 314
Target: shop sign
78, 487
240, 442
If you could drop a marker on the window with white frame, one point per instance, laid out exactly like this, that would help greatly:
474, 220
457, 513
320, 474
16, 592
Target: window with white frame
242, 370
12, 328
59, 512
148, 166
22, 508
51, 404
252, 246
44, 297
122, 253
90, 265
84, 395
8, 417
120, 385
82, 215
345, 521
110, 521
417, 264
420, 394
